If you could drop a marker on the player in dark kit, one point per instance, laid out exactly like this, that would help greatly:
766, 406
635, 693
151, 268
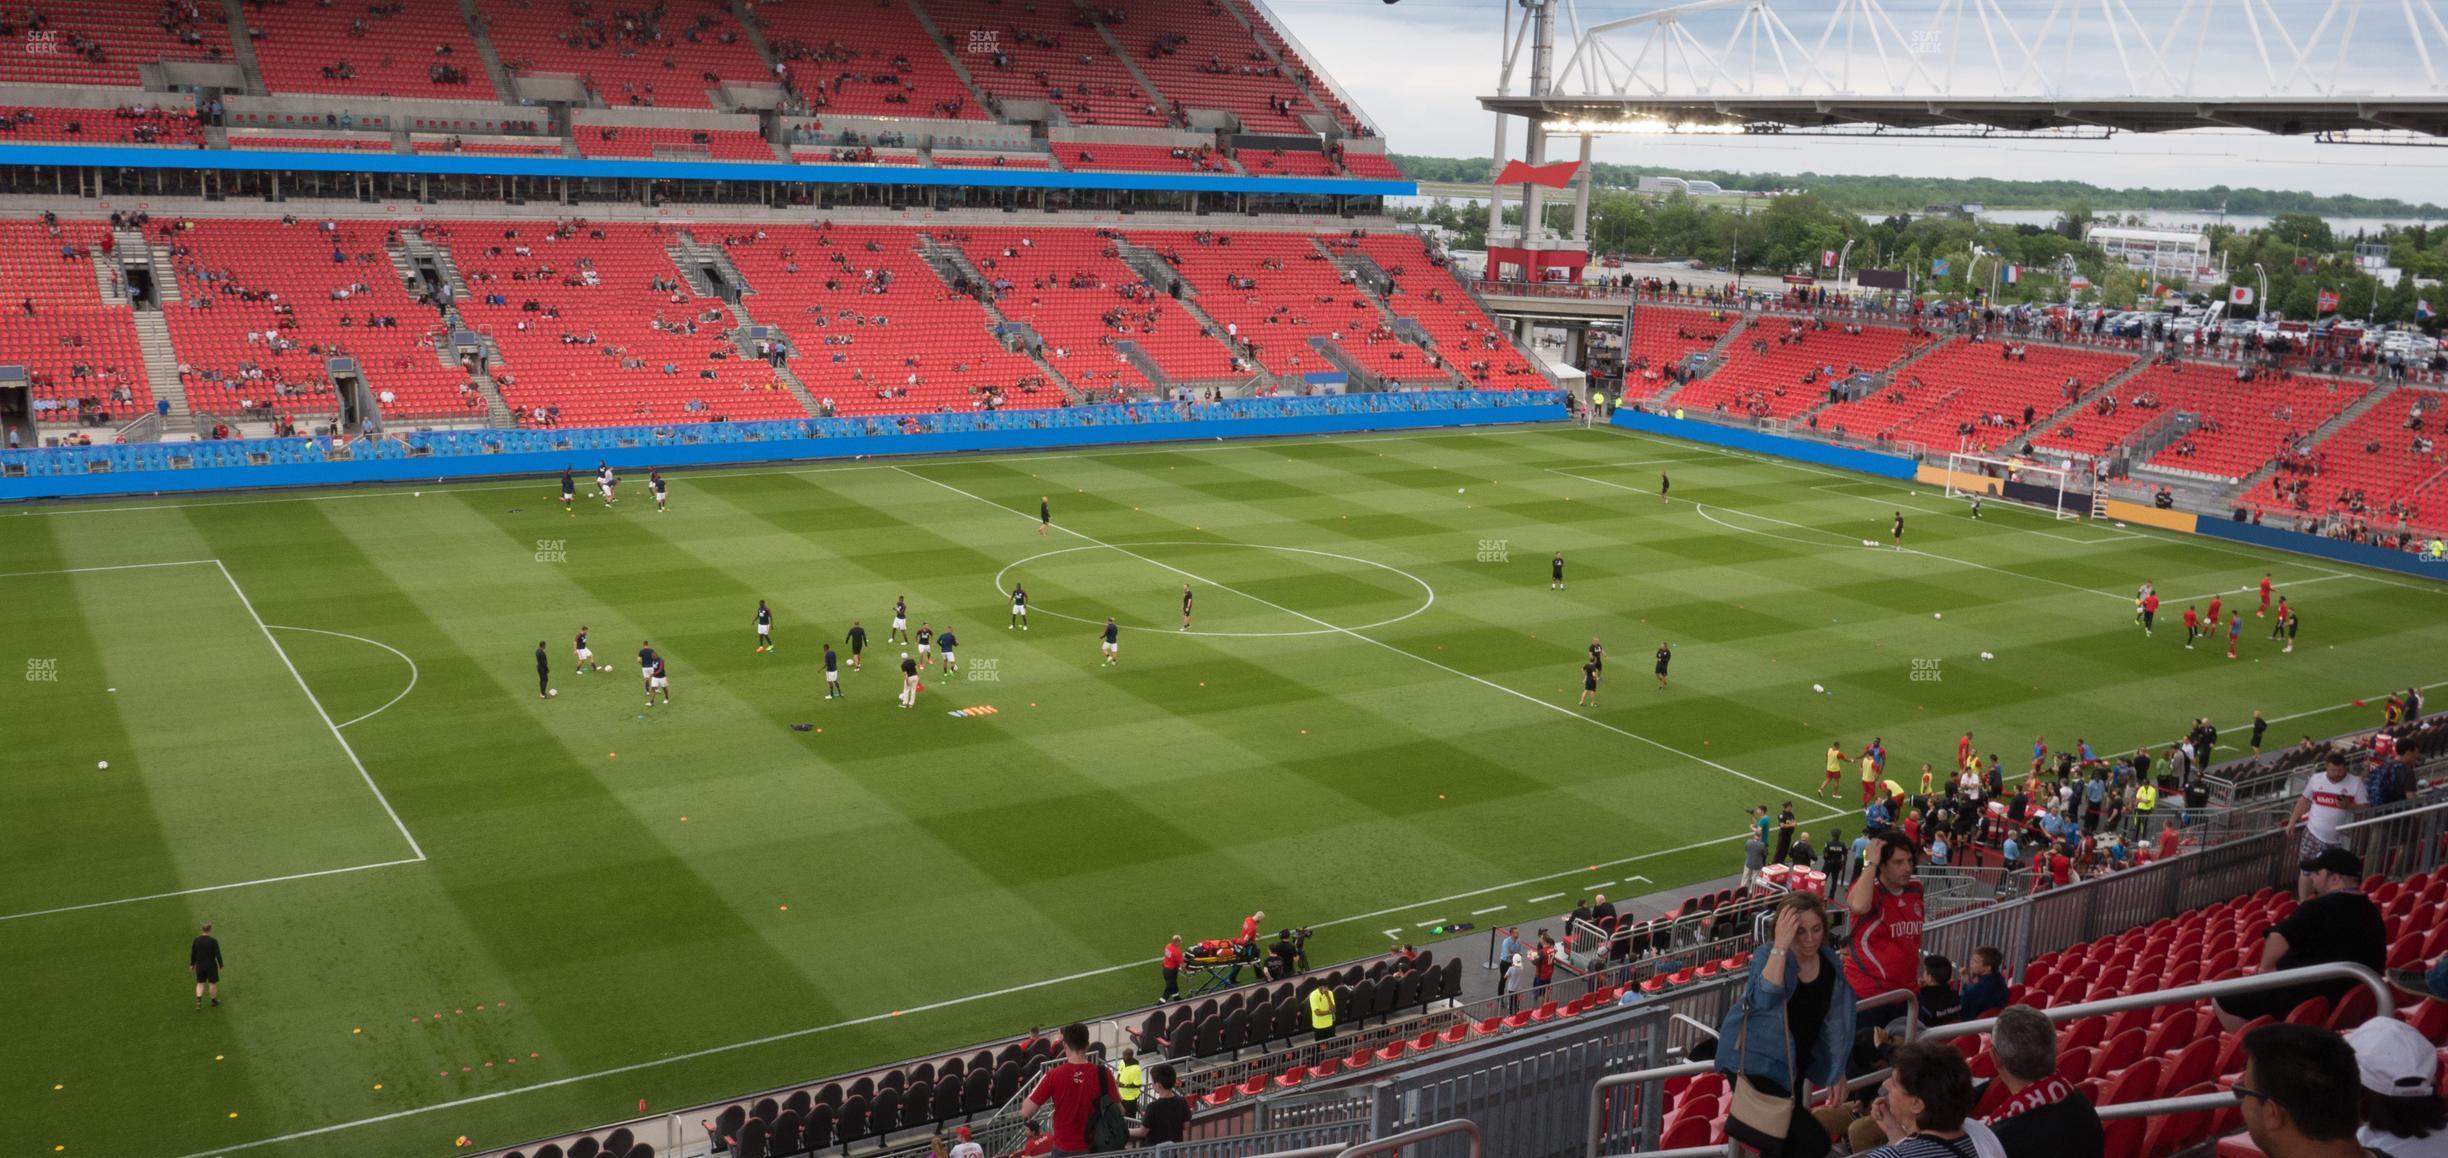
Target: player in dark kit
900, 621
1113, 643
764, 624
1597, 653
1555, 572
926, 645
832, 674
951, 661
204, 960
579, 648
1045, 514
1185, 607
1898, 531
543, 672
1665, 655
654, 479
1664, 484
2278, 628
1589, 684
1019, 614
659, 682
569, 492
646, 668
857, 639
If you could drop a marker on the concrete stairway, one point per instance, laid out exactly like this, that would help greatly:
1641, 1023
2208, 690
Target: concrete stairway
2365, 405
494, 70
951, 53
242, 48
161, 371
1409, 331
950, 264
1155, 95
1161, 275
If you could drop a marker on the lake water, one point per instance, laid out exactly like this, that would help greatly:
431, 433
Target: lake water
2186, 219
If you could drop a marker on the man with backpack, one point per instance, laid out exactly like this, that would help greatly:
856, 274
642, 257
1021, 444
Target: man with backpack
1087, 1104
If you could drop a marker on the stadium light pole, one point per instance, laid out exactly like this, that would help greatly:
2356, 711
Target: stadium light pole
2261, 306
1841, 255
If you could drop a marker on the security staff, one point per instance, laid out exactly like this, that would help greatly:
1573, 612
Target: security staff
2146, 798
1322, 1011
1129, 1079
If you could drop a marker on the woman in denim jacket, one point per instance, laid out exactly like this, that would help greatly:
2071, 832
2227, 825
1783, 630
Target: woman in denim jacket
1792, 1027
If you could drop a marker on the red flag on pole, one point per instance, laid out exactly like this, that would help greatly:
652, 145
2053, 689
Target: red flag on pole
1558, 175
2328, 301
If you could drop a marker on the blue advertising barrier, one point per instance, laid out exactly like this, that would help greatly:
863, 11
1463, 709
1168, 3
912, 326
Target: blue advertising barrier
2338, 550
74, 472
1736, 438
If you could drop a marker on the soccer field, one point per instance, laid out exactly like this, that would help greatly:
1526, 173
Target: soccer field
450, 907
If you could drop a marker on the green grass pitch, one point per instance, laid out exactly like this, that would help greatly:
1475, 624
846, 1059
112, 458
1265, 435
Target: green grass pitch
452, 908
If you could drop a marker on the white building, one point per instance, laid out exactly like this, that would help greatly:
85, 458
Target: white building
1696, 188
2172, 253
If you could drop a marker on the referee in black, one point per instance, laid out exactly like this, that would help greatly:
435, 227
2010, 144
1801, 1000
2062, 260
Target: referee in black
543, 672
204, 960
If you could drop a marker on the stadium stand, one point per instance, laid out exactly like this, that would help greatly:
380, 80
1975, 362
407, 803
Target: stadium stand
399, 48
1082, 298
80, 352
291, 143
945, 160
1428, 292
1782, 367
1280, 163
1139, 158
2384, 466
642, 141
1053, 55
863, 59
875, 330
667, 57
596, 326
503, 147
854, 156
1373, 166
105, 42
1302, 71
1200, 57
2244, 423
135, 124
1662, 337
263, 304
1277, 293
1974, 394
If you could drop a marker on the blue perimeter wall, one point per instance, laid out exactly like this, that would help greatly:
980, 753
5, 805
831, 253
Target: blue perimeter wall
1896, 466
1733, 438
447, 469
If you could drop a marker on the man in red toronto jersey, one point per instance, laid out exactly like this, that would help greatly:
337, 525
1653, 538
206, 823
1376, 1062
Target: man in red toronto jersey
1883, 947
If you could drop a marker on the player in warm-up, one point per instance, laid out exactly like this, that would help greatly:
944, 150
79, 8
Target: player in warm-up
2140, 593
1598, 653
2278, 626
605, 481
2235, 629
1589, 684
1185, 607
646, 668
586, 655
857, 639
951, 661
1665, 655
2265, 594
2192, 622
1113, 642
909, 681
660, 682
900, 621
832, 664
1019, 612
569, 492
1664, 484
2291, 623
543, 673
1555, 572
764, 626
662, 491
926, 645
1045, 514
1976, 500
2150, 611
1897, 532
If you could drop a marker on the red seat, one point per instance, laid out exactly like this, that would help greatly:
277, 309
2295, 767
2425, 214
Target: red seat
1219, 1097
1456, 1034
2121, 1051
2314, 1011
1326, 1068
1359, 1059
2174, 1031
2135, 1083
1292, 1077
1392, 1052
1545, 1012
2354, 1009
2084, 1032
1488, 1025
2431, 1017
1426, 1040
2124, 1138
1255, 1086
2193, 1065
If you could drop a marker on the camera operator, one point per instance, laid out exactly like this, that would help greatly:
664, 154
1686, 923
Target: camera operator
1287, 956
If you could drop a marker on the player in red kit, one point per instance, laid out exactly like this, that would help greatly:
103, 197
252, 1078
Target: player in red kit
2193, 624
2150, 611
2265, 594
2215, 604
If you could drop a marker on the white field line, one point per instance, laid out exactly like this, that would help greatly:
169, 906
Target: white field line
325, 716
412, 666
208, 889
1449, 670
120, 567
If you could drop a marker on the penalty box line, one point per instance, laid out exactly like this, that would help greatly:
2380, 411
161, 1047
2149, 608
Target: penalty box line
1340, 630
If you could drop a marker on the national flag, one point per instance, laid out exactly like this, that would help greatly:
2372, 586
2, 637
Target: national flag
2328, 301
2014, 273
1558, 175
1827, 259
2422, 309
2158, 290
2080, 282
2240, 296
1938, 267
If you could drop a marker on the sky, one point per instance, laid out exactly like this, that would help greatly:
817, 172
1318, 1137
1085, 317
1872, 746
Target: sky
1416, 68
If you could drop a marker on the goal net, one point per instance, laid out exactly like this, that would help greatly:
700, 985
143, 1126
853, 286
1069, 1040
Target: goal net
2020, 481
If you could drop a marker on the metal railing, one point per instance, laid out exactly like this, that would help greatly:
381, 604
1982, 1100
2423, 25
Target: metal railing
2401, 842
1651, 1101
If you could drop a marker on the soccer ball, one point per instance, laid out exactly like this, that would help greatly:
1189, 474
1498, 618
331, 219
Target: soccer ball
1458, 490
1986, 655
603, 667
1819, 688
1937, 615
553, 692
104, 765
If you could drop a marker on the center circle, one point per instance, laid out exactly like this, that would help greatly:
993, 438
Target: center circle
1428, 594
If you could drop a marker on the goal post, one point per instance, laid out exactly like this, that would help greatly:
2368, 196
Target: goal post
2020, 481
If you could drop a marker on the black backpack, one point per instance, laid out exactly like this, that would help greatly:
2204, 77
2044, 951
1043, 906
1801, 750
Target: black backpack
1108, 1130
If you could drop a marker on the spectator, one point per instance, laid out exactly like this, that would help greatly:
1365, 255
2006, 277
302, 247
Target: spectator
1073, 1087
2042, 1114
2299, 1091
1804, 855
2403, 1114
1792, 1027
1755, 858
1506, 950
1166, 1114
1984, 990
1940, 1004
967, 1147
2328, 800
1924, 1107
2339, 923
1884, 952
1832, 861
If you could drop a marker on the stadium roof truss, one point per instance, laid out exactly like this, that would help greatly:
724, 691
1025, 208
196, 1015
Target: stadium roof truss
2068, 67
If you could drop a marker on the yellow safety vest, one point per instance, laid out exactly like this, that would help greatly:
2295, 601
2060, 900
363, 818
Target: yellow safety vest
1127, 1078
1321, 1008
2145, 798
